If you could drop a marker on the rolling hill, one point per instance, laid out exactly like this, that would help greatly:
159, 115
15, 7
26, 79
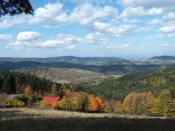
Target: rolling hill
162, 60
104, 65
154, 81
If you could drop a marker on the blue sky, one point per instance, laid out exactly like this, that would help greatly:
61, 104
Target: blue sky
129, 29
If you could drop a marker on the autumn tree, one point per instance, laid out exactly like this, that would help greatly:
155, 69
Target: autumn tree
93, 105
164, 105
128, 103
28, 90
101, 102
138, 103
74, 101
29, 95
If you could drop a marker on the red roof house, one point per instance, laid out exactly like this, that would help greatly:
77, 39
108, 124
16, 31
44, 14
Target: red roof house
50, 99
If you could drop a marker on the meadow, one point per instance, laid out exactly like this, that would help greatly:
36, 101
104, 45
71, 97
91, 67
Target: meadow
23, 119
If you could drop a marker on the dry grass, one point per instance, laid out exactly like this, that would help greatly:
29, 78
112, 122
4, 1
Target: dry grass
23, 119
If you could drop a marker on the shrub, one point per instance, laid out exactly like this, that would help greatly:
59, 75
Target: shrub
16, 103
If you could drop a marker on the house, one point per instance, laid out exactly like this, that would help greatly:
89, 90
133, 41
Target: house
50, 99
13, 96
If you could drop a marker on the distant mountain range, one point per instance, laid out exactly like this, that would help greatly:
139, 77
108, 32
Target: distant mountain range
106, 65
67, 59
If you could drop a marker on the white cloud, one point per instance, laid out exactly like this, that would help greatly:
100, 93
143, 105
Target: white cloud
53, 14
50, 14
114, 30
88, 13
71, 47
148, 3
117, 46
5, 38
96, 38
9, 21
101, 26
168, 45
167, 29
60, 40
33, 39
169, 17
140, 11
122, 30
28, 36
155, 21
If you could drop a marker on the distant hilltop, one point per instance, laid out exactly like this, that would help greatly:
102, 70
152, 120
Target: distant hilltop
163, 58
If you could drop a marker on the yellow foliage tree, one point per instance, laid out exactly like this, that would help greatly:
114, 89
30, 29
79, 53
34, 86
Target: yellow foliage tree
74, 101
164, 105
138, 103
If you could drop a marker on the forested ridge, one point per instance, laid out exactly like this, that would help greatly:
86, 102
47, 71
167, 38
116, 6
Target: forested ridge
154, 81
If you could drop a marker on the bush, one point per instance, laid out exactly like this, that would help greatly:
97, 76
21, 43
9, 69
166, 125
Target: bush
16, 103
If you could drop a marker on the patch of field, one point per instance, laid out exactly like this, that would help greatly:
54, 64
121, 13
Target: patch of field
63, 74
23, 119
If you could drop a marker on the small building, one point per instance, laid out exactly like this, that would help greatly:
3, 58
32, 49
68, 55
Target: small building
13, 96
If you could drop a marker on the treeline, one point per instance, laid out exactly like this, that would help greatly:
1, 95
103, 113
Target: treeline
15, 82
155, 81
145, 103
77, 101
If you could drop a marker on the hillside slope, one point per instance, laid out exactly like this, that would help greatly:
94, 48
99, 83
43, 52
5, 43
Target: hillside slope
63, 74
155, 82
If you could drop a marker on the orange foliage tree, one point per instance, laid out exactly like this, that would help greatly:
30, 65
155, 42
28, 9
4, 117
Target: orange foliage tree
28, 90
95, 104
101, 103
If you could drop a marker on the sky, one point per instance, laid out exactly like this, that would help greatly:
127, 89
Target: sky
132, 29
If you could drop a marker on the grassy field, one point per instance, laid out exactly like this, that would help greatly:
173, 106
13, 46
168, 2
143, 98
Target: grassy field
49, 120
